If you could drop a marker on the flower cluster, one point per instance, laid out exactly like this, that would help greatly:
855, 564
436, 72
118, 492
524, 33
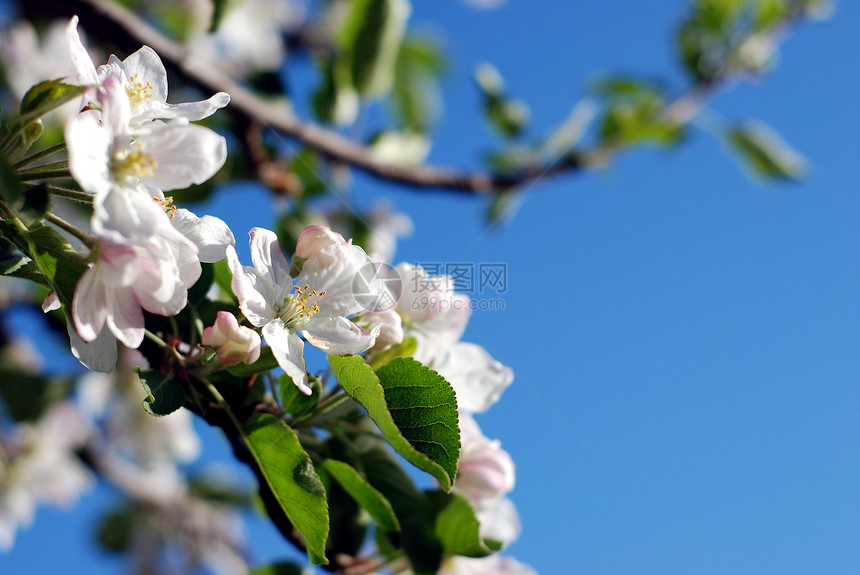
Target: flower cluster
126, 148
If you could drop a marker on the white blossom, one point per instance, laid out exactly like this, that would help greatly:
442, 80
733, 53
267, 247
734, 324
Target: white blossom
316, 307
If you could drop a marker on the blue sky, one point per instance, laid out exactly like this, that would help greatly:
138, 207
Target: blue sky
685, 340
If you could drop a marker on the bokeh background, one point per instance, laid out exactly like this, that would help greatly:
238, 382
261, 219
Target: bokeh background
685, 339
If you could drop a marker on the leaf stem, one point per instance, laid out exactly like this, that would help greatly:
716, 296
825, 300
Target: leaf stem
74, 195
47, 175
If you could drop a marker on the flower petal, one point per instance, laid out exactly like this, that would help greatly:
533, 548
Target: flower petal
124, 318
97, 355
269, 259
145, 67
184, 154
88, 309
338, 336
80, 57
210, 234
477, 378
254, 305
192, 111
333, 270
288, 350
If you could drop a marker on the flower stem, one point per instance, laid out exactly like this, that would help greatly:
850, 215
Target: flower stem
48, 175
213, 391
62, 164
41, 154
74, 195
86, 238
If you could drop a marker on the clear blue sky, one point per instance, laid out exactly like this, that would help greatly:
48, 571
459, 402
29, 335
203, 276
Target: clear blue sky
698, 331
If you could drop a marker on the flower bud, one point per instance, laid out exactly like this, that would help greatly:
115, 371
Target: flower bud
232, 342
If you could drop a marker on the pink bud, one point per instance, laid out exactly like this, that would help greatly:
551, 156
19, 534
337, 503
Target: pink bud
232, 342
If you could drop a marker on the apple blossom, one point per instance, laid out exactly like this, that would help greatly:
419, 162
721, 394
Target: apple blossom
124, 280
316, 307
232, 342
144, 80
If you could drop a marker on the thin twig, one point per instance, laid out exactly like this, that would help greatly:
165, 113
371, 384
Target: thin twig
86, 238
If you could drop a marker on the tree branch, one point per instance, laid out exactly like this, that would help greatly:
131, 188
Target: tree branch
128, 30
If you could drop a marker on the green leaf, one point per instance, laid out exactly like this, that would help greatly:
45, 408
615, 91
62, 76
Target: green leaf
22, 267
457, 527
164, 394
506, 115
413, 406
370, 42
364, 494
765, 153
279, 568
406, 348
219, 8
287, 473
49, 95
294, 401
417, 536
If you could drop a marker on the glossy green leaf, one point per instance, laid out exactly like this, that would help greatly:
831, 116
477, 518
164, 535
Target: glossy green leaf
765, 153
22, 267
293, 400
370, 41
414, 408
164, 394
43, 98
417, 537
286, 472
364, 494
458, 528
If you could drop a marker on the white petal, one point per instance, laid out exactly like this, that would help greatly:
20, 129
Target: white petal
289, 351
314, 238
89, 144
269, 259
333, 270
339, 336
51, 302
477, 378
185, 154
210, 234
80, 57
254, 305
127, 215
145, 67
192, 111
97, 355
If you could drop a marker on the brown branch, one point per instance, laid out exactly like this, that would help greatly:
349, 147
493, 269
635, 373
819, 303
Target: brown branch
129, 31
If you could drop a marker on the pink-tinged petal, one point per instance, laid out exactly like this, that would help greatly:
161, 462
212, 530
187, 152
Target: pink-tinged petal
184, 154
269, 259
314, 238
97, 355
334, 270
500, 522
145, 68
89, 144
210, 234
80, 57
192, 111
51, 302
337, 335
289, 351
253, 304
125, 318
88, 306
